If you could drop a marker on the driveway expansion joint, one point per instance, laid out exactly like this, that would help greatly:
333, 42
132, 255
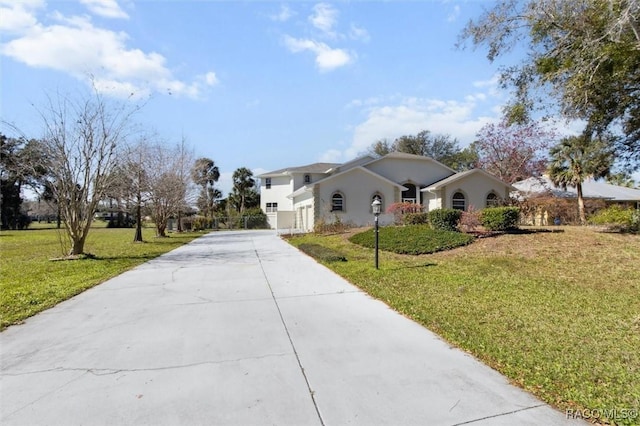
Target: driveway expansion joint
508, 413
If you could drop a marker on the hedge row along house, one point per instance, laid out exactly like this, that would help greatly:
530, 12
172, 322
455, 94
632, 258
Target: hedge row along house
298, 198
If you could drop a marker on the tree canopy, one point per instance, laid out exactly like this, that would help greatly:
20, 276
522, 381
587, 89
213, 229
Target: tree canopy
513, 152
442, 148
582, 54
576, 159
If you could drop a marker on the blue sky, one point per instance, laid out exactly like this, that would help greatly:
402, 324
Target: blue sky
257, 84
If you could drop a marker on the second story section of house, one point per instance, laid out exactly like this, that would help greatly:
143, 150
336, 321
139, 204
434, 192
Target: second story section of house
277, 185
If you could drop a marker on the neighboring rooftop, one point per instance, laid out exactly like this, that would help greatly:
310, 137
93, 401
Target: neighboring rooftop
590, 189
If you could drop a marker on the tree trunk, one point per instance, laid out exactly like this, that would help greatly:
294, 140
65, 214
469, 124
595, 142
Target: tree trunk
138, 237
581, 214
77, 246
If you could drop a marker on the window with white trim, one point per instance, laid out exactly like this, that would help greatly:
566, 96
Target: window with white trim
267, 183
459, 202
492, 200
337, 202
272, 207
307, 178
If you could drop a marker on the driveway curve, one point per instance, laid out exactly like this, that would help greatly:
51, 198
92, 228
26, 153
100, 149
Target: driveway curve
240, 328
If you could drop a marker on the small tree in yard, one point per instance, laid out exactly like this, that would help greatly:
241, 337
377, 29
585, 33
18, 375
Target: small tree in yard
80, 147
513, 152
167, 188
399, 210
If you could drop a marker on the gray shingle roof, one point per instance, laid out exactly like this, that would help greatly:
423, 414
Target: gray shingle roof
590, 189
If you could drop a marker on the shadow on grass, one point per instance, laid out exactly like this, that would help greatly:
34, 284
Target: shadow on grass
399, 268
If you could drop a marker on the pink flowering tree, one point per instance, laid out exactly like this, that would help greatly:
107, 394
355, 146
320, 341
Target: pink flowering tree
513, 152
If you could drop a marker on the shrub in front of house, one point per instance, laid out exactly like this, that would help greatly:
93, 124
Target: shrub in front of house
500, 218
445, 219
617, 218
400, 210
416, 219
414, 239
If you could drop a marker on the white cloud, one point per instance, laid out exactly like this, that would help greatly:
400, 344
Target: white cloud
460, 119
105, 8
18, 17
327, 58
453, 16
74, 45
324, 18
283, 15
358, 33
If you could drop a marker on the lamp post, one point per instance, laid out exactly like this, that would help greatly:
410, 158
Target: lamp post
375, 207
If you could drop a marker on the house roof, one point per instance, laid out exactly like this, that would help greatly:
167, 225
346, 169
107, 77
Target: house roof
306, 188
590, 189
309, 168
405, 156
455, 177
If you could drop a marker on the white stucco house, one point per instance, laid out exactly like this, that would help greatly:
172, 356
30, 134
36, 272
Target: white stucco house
298, 197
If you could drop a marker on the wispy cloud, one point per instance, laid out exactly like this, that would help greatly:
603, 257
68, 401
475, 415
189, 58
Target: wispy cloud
105, 8
324, 18
283, 15
322, 24
455, 13
76, 46
327, 58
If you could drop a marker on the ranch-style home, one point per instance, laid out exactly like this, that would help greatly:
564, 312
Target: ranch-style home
297, 198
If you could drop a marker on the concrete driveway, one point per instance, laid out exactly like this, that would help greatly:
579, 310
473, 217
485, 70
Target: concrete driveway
240, 328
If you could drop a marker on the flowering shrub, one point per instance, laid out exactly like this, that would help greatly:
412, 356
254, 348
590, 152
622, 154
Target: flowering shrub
399, 210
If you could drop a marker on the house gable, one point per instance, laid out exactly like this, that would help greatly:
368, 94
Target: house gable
469, 188
402, 168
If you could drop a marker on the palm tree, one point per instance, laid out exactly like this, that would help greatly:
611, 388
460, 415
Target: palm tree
205, 174
243, 184
577, 158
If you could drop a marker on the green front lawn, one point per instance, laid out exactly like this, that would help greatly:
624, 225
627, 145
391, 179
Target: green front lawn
557, 313
30, 282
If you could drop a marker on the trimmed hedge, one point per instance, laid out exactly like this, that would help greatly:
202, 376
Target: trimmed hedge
445, 219
322, 253
413, 239
500, 218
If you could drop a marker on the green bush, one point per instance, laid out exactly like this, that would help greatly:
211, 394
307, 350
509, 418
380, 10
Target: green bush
416, 219
200, 223
322, 253
500, 218
414, 239
618, 219
445, 219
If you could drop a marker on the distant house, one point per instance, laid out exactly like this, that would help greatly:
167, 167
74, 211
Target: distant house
594, 192
300, 197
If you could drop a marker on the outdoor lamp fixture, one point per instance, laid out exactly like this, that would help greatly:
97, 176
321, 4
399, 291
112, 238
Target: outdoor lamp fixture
375, 207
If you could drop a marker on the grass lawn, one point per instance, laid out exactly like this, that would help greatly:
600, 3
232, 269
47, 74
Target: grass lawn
557, 313
30, 282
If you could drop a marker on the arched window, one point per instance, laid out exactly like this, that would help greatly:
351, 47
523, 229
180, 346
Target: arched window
492, 200
378, 197
337, 202
307, 178
459, 201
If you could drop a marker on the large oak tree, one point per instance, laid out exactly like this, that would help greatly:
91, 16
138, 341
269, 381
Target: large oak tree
583, 55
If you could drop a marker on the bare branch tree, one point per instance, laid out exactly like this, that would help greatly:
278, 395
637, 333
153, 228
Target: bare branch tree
81, 142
